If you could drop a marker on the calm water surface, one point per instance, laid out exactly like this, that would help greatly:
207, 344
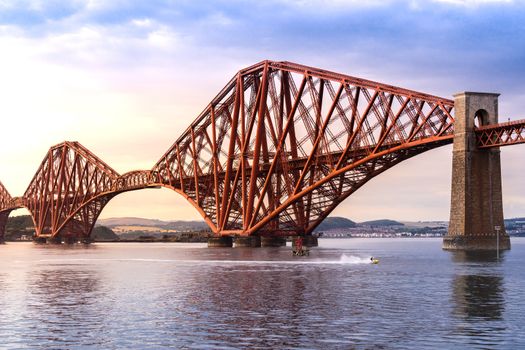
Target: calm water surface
154, 296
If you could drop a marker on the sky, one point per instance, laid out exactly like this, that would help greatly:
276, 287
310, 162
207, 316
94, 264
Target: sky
125, 79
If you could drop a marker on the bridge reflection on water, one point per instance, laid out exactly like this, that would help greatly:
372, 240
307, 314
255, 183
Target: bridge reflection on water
480, 295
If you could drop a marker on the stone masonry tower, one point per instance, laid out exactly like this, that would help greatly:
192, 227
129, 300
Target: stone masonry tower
476, 210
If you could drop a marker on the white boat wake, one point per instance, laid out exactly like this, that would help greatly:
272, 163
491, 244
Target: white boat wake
353, 259
343, 260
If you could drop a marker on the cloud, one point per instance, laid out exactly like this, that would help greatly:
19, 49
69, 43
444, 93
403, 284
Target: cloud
126, 78
334, 4
474, 3
34, 13
325, 6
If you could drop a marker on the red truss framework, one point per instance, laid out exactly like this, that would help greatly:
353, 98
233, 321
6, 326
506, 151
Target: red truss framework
69, 190
283, 144
502, 134
5, 198
6, 206
273, 153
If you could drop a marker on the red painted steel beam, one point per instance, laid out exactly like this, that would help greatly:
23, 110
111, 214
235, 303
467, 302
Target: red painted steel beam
70, 189
5, 198
7, 204
3, 222
502, 134
276, 150
278, 128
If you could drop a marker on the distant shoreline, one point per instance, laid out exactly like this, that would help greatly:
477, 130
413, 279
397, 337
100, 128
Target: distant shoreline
165, 241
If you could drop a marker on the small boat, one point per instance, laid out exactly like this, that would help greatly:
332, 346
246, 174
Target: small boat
374, 261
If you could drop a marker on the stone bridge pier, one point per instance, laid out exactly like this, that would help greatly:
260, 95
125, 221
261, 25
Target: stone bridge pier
476, 211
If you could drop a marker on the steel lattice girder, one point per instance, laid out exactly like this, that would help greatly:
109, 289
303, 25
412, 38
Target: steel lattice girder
70, 189
3, 221
66, 190
282, 144
7, 204
5, 198
5, 209
273, 154
502, 134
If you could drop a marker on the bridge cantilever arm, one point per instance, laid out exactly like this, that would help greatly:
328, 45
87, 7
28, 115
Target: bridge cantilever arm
502, 134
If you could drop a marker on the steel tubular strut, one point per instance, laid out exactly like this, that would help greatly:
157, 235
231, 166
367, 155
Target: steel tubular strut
273, 153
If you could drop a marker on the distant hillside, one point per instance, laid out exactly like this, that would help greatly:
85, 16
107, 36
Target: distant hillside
18, 226
334, 222
186, 225
159, 228
22, 225
515, 226
103, 233
130, 221
142, 226
514, 221
382, 222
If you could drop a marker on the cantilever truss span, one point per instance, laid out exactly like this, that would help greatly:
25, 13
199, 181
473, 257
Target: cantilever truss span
283, 144
273, 153
69, 190
5, 208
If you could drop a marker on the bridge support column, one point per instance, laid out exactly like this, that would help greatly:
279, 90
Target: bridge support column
273, 241
39, 240
3, 222
220, 242
56, 240
311, 241
247, 241
308, 241
476, 211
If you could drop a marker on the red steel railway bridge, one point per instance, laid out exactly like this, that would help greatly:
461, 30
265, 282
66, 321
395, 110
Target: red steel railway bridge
279, 147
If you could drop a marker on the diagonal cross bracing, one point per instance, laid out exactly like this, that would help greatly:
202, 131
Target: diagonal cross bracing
282, 144
67, 189
278, 148
502, 134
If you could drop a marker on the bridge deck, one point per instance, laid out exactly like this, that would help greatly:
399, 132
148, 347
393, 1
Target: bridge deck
277, 149
502, 134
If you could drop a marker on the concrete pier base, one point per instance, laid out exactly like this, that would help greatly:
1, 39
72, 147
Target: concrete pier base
247, 242
476, 210
39, 240
53, 240
308, 241
273, 242
70, 240
61, 240
220, 242
473, 243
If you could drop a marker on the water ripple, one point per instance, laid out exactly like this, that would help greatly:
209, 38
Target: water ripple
150, 296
